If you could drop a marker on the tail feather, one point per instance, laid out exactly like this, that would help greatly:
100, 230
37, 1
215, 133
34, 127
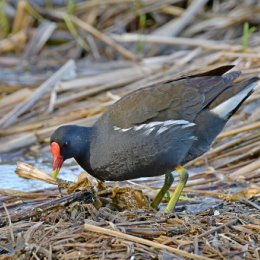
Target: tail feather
219, 71
211, 121
227, 108
231, 76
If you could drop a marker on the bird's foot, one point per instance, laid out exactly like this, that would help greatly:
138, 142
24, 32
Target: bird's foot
178, 190
160, 195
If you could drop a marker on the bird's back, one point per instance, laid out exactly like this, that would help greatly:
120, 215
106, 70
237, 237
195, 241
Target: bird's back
180, 99
197, 99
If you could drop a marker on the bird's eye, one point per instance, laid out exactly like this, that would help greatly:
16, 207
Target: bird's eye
66, 144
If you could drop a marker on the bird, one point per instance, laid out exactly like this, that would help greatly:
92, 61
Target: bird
155, 130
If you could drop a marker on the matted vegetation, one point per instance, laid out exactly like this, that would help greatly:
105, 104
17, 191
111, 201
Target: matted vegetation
66, 62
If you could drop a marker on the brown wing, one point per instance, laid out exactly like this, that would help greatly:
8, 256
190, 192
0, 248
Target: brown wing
178, 99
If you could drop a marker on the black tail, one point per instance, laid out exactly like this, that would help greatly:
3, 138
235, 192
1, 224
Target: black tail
212, 120
228, 102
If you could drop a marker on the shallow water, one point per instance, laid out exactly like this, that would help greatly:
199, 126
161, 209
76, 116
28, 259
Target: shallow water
70, 170
10, 180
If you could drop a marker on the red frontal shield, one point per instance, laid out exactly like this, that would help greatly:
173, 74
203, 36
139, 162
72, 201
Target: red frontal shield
57, 159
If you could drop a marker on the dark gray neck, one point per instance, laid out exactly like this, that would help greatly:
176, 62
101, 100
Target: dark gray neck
82, 154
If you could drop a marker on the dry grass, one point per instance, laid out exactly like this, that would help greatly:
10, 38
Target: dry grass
68, 68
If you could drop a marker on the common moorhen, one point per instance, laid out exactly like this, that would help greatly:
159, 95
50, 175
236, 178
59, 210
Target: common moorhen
154, 130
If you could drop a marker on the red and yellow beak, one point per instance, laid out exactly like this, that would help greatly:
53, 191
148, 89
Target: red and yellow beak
57, 159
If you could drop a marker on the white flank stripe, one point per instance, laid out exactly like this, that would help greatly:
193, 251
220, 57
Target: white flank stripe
162, 129
163, 126
149, 131
136, 128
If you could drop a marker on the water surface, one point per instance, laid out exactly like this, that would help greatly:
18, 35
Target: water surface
10, 180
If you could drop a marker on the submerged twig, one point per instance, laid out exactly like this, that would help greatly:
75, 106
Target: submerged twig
27, 171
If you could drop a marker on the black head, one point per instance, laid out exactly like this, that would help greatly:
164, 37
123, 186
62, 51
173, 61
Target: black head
69, 141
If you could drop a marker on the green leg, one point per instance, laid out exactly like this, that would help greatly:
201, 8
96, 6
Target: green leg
166, 186
176, 195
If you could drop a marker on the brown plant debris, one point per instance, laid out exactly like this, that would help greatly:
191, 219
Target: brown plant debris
66, 62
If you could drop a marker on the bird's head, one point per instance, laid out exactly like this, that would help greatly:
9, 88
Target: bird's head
66, 142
